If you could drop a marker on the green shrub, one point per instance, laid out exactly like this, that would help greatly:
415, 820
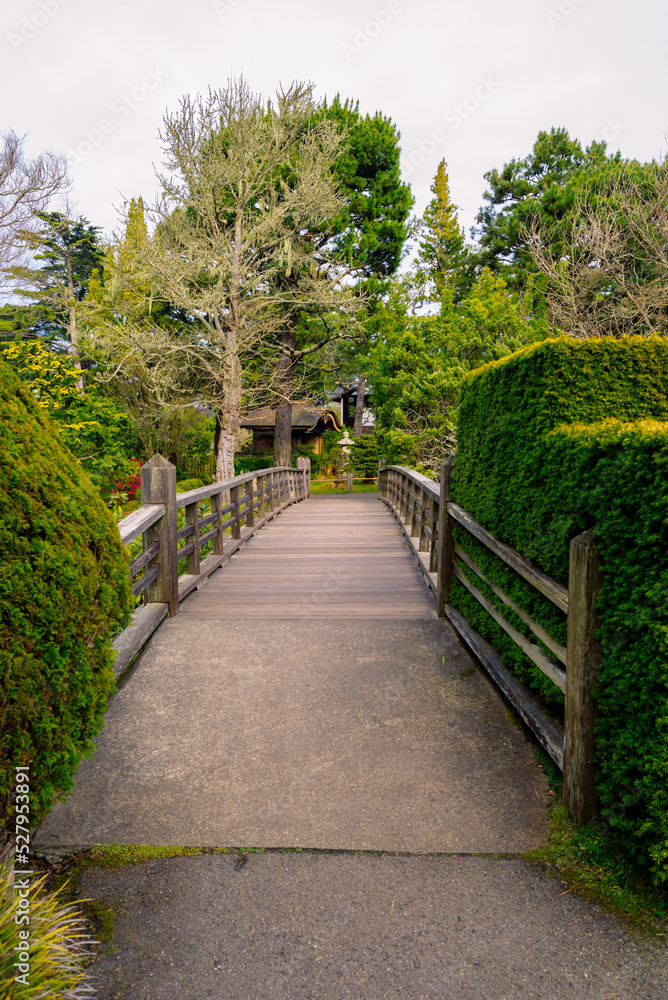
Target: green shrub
365, 455
249, 463
58, 941
64, 589
306, 451
553, 440
185, 485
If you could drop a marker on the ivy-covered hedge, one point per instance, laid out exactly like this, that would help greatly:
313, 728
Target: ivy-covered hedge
64, 588
557, 438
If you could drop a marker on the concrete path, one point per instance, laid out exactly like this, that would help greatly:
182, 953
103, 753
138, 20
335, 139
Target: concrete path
309, 697
361, 724
345, 927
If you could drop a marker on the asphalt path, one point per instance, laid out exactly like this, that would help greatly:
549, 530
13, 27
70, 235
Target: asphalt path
336, 926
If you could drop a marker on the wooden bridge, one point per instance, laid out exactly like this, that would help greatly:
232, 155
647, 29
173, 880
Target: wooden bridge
309, 694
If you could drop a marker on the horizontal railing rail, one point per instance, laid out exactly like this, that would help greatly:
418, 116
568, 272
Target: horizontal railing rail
186, 536
427, 513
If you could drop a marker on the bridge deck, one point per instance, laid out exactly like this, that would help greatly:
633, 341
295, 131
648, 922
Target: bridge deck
308, 696
332, 557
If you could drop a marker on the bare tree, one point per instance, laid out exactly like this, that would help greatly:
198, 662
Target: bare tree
612, 275
26, 188
246, 179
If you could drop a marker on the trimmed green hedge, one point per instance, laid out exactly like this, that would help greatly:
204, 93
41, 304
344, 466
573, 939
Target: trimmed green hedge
555, 439
64, 589
249, 463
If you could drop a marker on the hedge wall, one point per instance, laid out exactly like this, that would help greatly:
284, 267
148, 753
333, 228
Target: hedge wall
63, 589
555, 439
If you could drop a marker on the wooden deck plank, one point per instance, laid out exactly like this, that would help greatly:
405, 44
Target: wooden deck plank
331, 558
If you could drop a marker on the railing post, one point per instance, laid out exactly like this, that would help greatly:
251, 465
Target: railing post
427, 506
418, 498
192, 560
158, 485
216, 507
382, 478
584, 657
445, 559
271, 490
305, 465
250, 503
236, 519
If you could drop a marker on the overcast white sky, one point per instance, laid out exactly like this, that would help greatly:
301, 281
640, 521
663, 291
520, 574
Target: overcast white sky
92, 78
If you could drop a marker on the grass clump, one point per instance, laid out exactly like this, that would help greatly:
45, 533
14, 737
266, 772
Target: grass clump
589, 861
56, 940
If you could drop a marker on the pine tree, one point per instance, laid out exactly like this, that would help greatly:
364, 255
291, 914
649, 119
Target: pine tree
70, 253
442, 252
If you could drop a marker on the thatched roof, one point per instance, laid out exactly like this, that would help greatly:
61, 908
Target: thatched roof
305, 416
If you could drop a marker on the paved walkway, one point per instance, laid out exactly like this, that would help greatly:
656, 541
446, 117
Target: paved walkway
359, 927
308, 696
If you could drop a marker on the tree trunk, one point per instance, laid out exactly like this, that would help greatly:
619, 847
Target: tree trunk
283, 421
228, 416
226, 445
74, 336
359, 408
228, 419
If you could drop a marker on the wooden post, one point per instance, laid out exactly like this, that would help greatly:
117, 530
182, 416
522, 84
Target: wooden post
427, 506
305, 465
192, 560
349, 483
250, 506
382, 478
584, 659
236, 522
416, 516
260, 500
445, 559
158, 485
216, 508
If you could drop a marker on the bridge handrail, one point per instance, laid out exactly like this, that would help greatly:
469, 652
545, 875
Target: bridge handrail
254, 498
430, 487
426, 512
139, 521
213, 489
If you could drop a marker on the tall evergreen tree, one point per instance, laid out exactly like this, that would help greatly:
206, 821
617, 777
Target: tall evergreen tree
537, 189
442, 250
70, 252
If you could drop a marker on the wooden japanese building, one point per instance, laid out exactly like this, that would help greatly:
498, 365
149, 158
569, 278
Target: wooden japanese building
309, 423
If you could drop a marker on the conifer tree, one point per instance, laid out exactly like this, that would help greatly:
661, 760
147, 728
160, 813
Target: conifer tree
442, 252
70, 252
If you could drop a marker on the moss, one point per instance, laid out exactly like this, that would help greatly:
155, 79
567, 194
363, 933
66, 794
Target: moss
100, 915
64, 591
116, 855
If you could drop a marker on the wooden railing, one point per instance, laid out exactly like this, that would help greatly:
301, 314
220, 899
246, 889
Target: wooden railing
175, 559
427, 513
